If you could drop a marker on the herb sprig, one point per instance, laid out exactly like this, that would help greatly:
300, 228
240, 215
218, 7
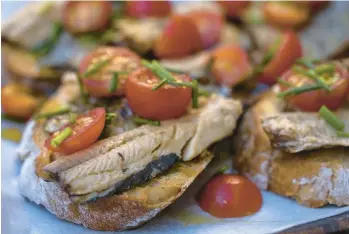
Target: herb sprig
48, 45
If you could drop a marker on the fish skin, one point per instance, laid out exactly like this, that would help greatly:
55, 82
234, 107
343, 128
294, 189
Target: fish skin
297, 131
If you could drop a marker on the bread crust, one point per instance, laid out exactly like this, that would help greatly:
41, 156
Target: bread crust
112, 213
313, 178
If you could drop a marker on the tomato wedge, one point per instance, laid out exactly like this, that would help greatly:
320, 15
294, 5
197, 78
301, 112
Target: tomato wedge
166, 102
210, 25
286, 14
180, 37
234, 8
142, 9
122, 62
230, 65
228, 196
85, 131
18, 101
288, 51
86, 16
313, 100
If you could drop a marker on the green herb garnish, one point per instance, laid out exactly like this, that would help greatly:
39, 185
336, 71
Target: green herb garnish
139, 120
159, 85
331, 118
46, 47
83, 95
114, 82
62, 111
110, 115
313, 75
203, 92
325, 69
195, 94
308, 63
57, 140
222, 169
299, 90
73, 117
343, 134
284, 82
93, 68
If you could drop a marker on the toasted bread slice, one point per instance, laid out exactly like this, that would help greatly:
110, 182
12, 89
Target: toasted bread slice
313, 178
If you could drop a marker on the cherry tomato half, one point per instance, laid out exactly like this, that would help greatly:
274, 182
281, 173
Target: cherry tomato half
166, 102
230, 65
141, 9
210, 25
86, 16
286, 14
234, 8
228, 196
18, 101
86, 130
122, 61
313, 100
180, 37
288, 51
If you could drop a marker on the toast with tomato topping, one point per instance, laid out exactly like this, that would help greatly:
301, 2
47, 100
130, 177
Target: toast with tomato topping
127, 178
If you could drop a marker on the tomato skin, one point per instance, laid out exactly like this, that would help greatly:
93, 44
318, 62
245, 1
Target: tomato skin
85, 132
167, 102
180, 37
289, 50
142, 9
17, 101
86, 16
286, 15
312, 101
210, 25
228, 196
233, 8
230, 65
98, 84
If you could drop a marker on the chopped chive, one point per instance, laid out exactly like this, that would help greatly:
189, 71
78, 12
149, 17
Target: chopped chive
185, 84
203, 92
73, 117
326, 68
93, 68
160, 69
159, 85
343, 134
62, 111
110, 115
82, 91
194, 92
331, 118
311, 74
306, 62
284, 82
222, 169
299, 90
139, 120
57, 140
46, 47
114, 82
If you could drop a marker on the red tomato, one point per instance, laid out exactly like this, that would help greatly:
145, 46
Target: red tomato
141, 9
234, 8
123, 61
86, 16
230, 65
288, 51
86, 130
313, 100
286, 15
166, 102
210, 25
228, 196
180, 37
17, 101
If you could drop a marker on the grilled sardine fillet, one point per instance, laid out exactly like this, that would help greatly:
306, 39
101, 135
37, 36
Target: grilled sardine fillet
295, 132
122, 161
314, 178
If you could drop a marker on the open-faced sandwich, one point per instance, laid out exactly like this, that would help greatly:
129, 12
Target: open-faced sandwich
121, 140
295, 140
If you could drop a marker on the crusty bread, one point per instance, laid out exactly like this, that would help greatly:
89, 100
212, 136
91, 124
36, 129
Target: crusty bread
116, 212
313, 178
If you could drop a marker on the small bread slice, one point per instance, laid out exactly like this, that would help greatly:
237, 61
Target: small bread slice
313, 178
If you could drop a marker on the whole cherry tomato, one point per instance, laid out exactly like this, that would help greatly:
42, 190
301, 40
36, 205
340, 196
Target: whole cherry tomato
86, 16
288, 50
210, 25
122, 61
166, 102
230, 65
228, 196
313, 100
180, 37
18, 101
141, 9
234, 8
85, 131
286, 14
